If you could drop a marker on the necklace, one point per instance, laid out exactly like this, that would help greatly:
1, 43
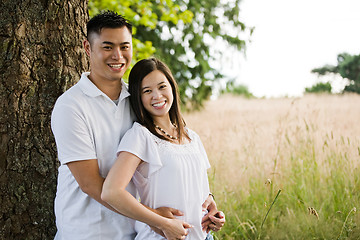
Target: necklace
164, 132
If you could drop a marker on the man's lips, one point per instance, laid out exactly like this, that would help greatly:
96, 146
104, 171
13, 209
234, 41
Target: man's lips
117, 66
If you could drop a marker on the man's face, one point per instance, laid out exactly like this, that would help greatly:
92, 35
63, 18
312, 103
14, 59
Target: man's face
110, 54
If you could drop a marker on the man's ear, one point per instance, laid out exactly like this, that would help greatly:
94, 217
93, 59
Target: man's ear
87, 47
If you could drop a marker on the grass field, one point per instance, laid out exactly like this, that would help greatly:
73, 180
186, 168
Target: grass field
284, 168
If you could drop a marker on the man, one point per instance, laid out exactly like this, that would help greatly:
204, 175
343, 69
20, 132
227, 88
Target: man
88, 122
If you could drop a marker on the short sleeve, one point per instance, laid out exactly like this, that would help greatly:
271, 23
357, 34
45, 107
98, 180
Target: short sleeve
138, 141
72, 136
197, 140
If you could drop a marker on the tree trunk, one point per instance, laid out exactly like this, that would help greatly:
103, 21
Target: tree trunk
41, 56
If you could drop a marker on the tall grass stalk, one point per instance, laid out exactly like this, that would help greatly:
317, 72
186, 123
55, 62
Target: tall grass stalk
267, 213
342, 229
308, 147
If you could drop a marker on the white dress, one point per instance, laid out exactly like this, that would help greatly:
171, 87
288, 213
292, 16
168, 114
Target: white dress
172, 175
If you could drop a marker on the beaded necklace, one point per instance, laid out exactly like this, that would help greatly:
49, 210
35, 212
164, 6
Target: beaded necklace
164, 132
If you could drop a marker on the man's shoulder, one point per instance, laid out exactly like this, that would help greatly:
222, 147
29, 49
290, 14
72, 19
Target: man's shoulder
72, 94
72, 101
74, 91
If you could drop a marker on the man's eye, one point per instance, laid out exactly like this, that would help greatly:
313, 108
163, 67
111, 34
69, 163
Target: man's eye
107, 47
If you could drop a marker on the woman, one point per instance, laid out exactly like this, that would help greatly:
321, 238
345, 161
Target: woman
166, 160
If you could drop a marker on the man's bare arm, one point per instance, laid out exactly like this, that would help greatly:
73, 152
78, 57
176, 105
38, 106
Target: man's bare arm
86, 173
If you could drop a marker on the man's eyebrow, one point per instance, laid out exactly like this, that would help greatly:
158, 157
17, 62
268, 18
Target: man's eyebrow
111, 43
108, 43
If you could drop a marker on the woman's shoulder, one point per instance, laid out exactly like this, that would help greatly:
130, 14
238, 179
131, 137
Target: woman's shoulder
138, 129
137, 137
138, 126
192, 134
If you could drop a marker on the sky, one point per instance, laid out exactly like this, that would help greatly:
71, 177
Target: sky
290, 39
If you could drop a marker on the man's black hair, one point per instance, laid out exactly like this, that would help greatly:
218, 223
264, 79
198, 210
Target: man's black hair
108, 19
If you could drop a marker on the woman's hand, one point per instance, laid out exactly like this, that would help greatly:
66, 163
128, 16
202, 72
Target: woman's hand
175, 229
165, 212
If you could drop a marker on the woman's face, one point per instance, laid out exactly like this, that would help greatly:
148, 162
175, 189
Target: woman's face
156, 94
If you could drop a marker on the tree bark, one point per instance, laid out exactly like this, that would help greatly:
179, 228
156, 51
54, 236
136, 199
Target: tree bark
41, 56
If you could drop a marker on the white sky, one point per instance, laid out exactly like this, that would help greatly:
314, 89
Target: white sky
290, 39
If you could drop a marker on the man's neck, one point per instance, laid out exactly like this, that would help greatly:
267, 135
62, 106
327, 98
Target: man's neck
111, 88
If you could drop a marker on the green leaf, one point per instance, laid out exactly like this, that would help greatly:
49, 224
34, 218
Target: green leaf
174, 32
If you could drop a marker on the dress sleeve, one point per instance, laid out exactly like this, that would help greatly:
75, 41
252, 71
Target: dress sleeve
202, 150
138, 141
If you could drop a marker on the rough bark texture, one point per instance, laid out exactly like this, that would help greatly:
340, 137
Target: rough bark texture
41, 56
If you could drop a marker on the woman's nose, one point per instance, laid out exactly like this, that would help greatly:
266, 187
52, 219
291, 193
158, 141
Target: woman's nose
156, 94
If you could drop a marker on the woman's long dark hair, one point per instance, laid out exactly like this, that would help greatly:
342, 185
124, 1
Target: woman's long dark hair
140, 70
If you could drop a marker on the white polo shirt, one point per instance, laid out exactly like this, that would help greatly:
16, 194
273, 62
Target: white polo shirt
87, 124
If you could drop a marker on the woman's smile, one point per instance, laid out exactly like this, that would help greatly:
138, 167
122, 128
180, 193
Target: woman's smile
156, 95
159, 105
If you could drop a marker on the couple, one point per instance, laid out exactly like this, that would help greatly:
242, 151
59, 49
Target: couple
158, 158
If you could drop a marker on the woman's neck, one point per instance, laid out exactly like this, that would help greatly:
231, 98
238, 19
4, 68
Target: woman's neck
165, 127
164, 123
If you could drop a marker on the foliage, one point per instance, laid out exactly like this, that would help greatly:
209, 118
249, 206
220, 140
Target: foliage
240, 90
185, 35
319, 88
348, 66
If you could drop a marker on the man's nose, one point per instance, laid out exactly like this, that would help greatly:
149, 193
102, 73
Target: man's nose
117, 54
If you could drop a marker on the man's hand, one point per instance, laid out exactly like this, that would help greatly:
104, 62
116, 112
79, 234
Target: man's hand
214, 219
168, 213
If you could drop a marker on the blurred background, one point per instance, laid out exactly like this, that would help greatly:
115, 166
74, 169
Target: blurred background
293, 37
258, 47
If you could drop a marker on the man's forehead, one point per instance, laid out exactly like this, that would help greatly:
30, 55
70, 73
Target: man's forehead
123, 29
114, 35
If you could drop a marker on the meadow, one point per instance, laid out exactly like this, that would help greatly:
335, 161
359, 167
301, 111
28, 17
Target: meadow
284, 168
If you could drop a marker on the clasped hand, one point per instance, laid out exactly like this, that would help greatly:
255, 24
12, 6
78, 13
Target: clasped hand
214, 220
175, 229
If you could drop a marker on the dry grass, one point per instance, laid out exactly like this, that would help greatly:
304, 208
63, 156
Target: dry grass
308, 147
254, 138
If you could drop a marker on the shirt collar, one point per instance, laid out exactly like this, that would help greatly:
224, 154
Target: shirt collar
90, 89
124, 91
